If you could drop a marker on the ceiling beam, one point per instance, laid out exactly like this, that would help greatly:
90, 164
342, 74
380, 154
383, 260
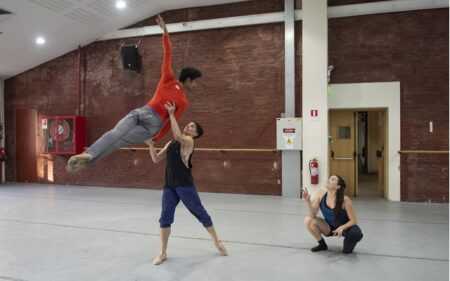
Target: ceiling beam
333, 12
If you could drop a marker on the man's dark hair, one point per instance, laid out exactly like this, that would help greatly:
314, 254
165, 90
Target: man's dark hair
199, 129
189, 72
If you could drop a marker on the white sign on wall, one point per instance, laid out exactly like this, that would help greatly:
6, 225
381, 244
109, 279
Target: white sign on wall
44, 124
289, 133
314, 114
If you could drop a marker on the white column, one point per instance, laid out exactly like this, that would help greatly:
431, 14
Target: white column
314, 91
290, 160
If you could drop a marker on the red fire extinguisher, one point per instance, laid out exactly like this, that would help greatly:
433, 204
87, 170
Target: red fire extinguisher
3, 155
314, 170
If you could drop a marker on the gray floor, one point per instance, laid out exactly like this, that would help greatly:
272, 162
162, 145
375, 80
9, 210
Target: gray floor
59, 233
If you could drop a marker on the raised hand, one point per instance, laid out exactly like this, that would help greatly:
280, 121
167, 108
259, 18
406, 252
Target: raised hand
149, 142
306, 196
161, 23
170, 106
338, 231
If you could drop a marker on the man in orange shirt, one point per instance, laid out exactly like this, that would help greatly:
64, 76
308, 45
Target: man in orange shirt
145, 122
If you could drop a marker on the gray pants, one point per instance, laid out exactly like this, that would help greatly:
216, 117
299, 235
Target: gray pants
136, 127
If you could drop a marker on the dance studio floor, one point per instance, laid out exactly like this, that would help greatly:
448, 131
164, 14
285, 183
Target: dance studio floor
59, 233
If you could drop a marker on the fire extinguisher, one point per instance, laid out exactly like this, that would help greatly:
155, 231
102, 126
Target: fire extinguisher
3, 156
314, 170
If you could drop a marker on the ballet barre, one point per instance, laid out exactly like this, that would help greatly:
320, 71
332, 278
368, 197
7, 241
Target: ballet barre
211, 149
422, 151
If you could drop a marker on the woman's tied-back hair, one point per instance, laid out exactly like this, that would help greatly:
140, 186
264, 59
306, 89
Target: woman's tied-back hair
339, 197
199, 129
189, 72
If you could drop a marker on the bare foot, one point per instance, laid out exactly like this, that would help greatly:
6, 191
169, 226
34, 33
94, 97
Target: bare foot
159, 259
221, 249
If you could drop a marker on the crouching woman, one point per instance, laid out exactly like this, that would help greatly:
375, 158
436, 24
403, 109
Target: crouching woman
339, 216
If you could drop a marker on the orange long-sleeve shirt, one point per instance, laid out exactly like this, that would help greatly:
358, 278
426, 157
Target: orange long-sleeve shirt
168, 90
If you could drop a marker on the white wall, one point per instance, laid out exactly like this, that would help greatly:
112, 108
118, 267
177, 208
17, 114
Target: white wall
376, 95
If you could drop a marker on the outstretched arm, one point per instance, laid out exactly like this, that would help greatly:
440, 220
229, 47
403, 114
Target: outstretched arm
167, 72
156, 157
176, 131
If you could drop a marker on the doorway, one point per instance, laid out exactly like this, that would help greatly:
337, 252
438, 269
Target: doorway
357, 148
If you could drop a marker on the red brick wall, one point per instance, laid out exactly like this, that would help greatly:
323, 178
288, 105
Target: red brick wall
242, 92
410, 47
424, 178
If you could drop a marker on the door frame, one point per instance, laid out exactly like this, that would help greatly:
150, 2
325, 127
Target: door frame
379, 95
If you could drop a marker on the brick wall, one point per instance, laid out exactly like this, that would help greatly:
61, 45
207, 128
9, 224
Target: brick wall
410, 47
241, 93
236, 101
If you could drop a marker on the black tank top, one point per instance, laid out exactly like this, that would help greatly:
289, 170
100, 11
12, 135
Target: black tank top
177, 174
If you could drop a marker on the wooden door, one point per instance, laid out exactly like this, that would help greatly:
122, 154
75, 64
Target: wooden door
26, 152
343, 147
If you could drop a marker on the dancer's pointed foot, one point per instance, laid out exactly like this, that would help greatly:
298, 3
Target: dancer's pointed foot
82, 157
76, 168
78, 162
159, 259
221, 249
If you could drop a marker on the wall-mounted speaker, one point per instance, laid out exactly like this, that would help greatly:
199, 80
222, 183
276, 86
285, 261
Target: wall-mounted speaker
130, 57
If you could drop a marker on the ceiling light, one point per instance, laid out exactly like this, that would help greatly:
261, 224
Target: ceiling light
40, 41
121, 4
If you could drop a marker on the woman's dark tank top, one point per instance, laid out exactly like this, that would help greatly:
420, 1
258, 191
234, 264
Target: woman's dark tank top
328, 214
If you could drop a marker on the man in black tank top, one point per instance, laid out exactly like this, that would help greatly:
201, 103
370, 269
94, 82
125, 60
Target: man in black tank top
179, 183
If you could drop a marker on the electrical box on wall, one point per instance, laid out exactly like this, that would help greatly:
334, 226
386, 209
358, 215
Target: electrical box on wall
63, 134
289, 133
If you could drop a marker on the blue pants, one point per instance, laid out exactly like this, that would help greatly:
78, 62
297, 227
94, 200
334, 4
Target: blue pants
190, 198
136, 127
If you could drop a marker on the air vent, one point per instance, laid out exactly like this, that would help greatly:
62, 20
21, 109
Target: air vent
4, 12
59, 6
88, 17
5, 15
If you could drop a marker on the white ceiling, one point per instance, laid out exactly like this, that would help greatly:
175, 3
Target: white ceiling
66, 24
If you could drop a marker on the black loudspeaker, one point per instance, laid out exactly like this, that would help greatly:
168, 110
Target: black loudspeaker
130, 57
